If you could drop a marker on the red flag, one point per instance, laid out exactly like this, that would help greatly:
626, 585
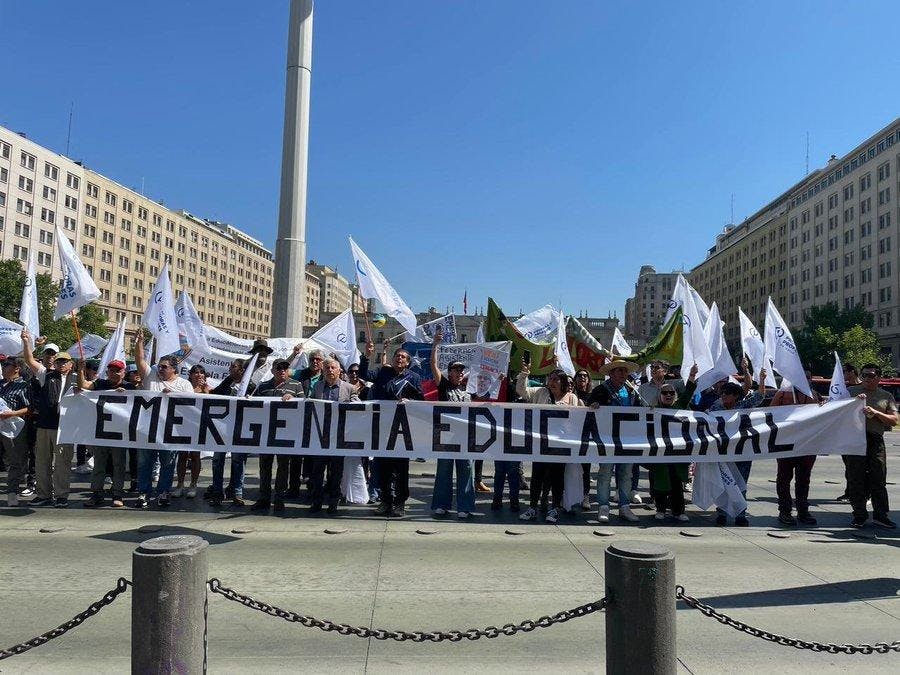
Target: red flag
465, 301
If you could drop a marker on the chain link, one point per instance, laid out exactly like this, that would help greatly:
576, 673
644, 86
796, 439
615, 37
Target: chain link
122, 585
402, 636
831, 648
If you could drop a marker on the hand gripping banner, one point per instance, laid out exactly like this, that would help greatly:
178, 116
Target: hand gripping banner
508, 431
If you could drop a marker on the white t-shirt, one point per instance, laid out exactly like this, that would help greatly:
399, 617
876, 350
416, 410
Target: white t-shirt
151, 382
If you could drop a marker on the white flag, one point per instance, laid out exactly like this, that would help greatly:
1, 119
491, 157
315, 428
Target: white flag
755, 350
541, 325
619, 345
248, 375
781, 350
114, 350
76, 288
838, 389
339, 336
563, 357
159, 317
10, 337
372, 284
190, 327
28, 312
696, 348
425, 332
88, 346
479, 334
703, 310
723, 364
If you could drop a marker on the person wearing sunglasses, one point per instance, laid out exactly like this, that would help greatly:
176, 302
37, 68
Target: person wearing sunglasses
867, 474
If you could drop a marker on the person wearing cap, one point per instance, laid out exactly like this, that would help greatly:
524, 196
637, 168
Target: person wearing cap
162, 379
734, 396
283, 387
114, 380
329, 388
615, 391
16, 395
451, 388
53, 461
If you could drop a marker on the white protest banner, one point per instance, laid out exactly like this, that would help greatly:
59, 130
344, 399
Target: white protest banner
76, 288
160, 318
425, 332
619, 345
91, 344
339, 337
219, 339
191, 331
838, 390
372, 284
563, 357
505, 431
114, 350
28, 312
215, 362
755, 349
782, 351
539, 326
10, 337
485, 364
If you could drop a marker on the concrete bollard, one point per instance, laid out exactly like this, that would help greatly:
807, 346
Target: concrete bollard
640, 616
168, 605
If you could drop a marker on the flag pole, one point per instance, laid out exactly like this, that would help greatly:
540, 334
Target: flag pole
77, 335
368, 327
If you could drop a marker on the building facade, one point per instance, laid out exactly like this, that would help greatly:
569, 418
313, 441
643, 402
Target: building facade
645, 311
335, 295
832, 237
124, 238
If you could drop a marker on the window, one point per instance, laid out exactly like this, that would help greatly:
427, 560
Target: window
108, 237
90, 231
884, 270
106, 256
138, 266
50, 171
110, 198
90, 210
5, 149
865, 182
23, 229
884, 294
46, 237
884, 196
26, 184
20, 252
44, 259
884, 221
141, 231
884, 171
23, 206
4, 175
142, 213
71, 202
87, 251
848, 192
105, 275
48, 216
123, 261
109, 218
27, 160
127, 206
884, 245
93, 191
73, 181
49, 193
126, 225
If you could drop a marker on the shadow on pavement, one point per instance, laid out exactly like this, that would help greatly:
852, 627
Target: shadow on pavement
143, 533
878, 588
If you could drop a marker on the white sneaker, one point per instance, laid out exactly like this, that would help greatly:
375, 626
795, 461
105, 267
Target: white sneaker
626, 514
689, 486
191, 492
552, 516
682, 518
12, 499
176, 493
462, 515
107, 482
90, 462
636, 499
440, 512
530, 514
660, 516
603, 514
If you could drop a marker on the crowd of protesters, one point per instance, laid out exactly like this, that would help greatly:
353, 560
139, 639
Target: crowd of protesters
41, 469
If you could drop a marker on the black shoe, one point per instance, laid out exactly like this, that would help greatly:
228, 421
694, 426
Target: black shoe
858, 522
278, 506
721, 520
806, 519
215, 502
260, 505
93, 501
496, 505
229, 492
61, 503
332, 509
383, 509
514, 507
141, 502
786, 519
741, 521
842, 498
398, 511
315, 508
41, 501
884, 521
208, 492
162, 501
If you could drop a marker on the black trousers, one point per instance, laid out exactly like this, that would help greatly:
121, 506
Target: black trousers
393, 473
867, 477
550, 475
674, 498
320, 488
265, 477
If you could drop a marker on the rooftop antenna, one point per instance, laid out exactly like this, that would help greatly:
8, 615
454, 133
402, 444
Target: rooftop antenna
69, 133
807, 153
142, 186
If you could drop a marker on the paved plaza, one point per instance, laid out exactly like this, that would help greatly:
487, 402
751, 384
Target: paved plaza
826, 583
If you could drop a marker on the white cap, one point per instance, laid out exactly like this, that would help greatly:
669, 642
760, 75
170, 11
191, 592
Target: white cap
52, 347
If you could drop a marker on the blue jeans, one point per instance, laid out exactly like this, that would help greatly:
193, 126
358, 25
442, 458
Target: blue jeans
506, 471
443, 485
238, 462
146, 460
743, 469
623, 483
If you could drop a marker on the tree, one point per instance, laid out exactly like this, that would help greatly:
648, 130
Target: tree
860, 346
91, 318
824, 331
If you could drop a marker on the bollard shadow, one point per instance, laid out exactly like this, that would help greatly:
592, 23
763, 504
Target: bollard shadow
16, 511
867, 535
877, 588
135, 536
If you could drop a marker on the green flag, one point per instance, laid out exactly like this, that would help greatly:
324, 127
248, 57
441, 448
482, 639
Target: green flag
667, 346
499, 328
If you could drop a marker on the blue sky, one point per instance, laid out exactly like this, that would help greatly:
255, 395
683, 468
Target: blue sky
535, 152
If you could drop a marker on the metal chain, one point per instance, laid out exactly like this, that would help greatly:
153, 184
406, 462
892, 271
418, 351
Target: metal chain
121, 586
831, 648
413, 636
